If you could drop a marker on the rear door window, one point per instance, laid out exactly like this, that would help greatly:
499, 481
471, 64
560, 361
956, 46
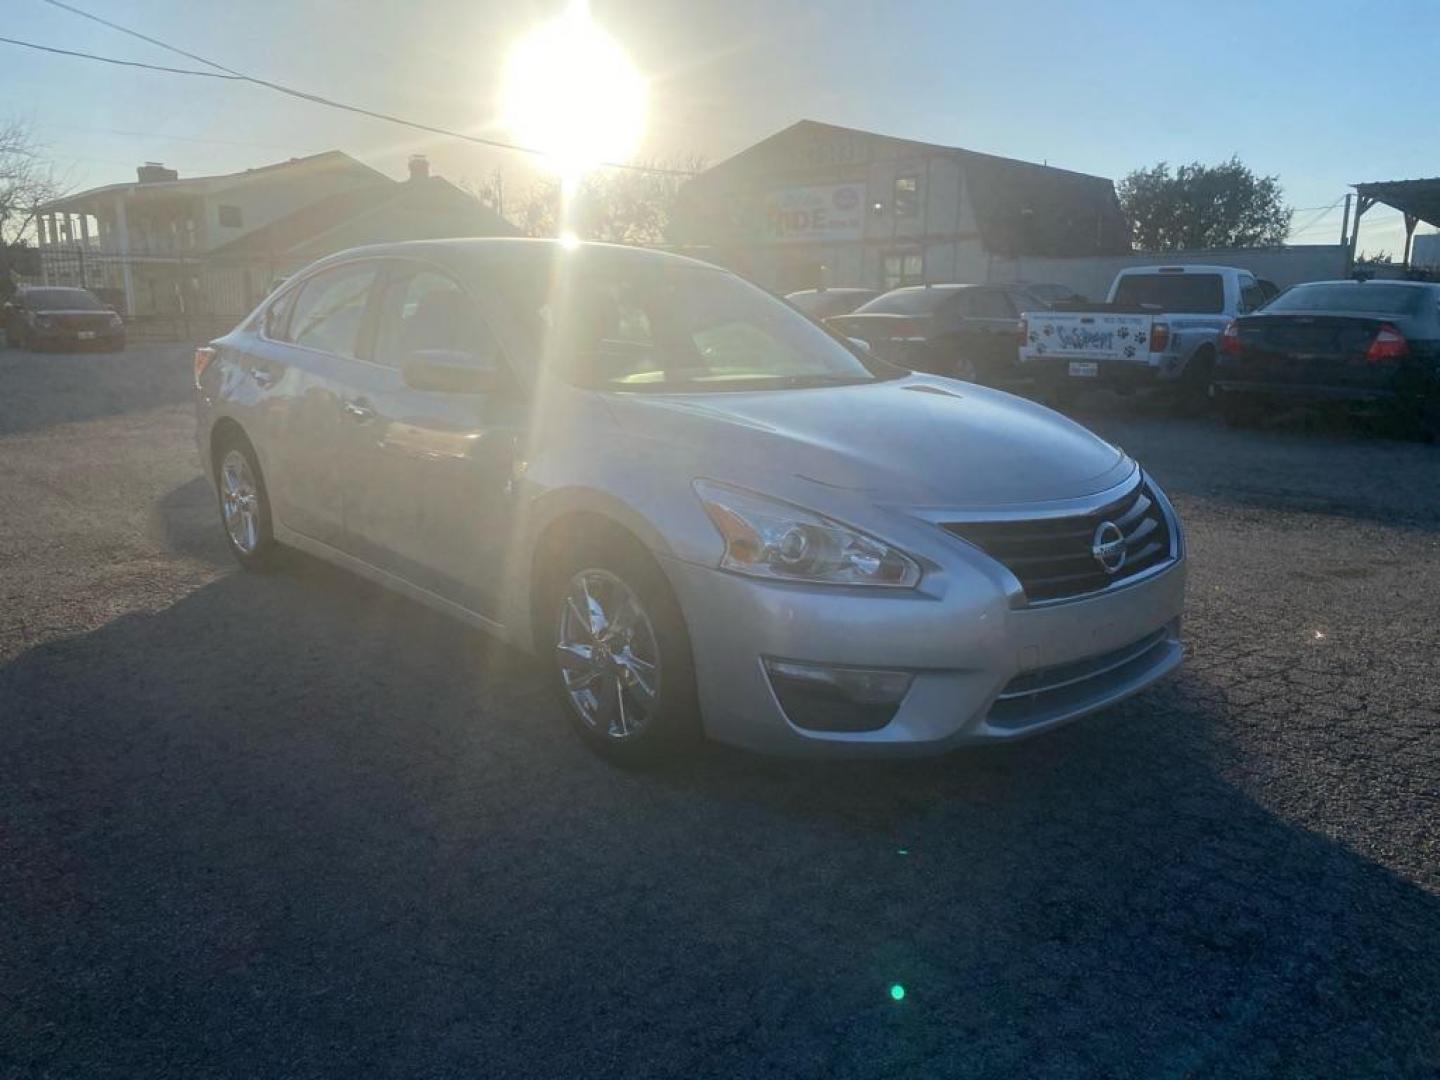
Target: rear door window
330, 310
422, 309
991, 304
1197, 294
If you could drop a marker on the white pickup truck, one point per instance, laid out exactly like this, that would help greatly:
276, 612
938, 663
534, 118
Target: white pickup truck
1159, 324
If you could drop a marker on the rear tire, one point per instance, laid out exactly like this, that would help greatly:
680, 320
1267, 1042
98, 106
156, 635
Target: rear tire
244, 505
618, 651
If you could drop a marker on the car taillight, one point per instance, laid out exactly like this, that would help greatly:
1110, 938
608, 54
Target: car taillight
203, 356
904, 329
1159, 336
1230, 339
1389, 344
1023, 333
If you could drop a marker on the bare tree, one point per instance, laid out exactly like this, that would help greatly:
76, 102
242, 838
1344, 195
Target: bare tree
27, 179
619, 206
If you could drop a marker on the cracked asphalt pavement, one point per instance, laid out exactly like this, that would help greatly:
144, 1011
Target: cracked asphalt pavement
294, 826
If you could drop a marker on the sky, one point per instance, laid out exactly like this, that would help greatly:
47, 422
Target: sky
1318, 92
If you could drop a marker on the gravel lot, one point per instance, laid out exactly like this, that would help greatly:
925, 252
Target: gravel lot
295, 826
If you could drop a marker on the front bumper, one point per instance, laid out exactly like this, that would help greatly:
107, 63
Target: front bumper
71, 339
984, 669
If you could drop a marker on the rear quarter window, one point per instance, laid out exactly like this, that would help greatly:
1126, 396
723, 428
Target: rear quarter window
907, 302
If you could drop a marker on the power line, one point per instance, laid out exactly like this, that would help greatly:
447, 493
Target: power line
303, 95
123, 63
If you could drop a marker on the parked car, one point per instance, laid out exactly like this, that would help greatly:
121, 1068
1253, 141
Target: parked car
50, 317
823, 303
702, 510
965, 331
1370, 343
1160, 325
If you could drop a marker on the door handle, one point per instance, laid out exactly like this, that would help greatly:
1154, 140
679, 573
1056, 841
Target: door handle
263, 378
358, 409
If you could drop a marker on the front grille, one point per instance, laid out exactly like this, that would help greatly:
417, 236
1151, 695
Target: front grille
1054, 558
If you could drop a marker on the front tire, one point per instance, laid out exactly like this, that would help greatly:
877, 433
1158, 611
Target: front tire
244, 505
619, 652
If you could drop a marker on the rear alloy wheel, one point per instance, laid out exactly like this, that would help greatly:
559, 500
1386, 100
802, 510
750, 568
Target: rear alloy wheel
244, 506
621, 655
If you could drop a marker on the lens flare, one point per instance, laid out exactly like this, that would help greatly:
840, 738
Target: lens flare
571, 92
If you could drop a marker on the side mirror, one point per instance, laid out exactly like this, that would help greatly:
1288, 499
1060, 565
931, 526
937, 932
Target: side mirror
861, 344
450, 371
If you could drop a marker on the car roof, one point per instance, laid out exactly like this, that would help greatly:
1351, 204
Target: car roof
1372, 281
1181, 268
469, 252
842, 290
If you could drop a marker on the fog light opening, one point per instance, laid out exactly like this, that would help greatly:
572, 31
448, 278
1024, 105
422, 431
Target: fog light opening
820, 698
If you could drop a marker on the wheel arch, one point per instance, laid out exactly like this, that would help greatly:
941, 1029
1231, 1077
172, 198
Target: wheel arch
588, 521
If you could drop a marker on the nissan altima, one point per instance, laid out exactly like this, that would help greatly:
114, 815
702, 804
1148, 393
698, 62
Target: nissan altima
708, 514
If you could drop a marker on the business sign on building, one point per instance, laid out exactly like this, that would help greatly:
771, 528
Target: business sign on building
811, 215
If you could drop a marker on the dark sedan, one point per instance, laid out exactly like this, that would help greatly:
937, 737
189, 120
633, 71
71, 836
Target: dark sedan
52, 317
1364, 343
969, 332
823, 303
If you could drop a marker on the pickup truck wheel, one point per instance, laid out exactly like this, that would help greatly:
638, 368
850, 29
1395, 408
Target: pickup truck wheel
1192, 389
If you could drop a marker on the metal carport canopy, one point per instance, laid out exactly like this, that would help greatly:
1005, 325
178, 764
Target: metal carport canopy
1418, 200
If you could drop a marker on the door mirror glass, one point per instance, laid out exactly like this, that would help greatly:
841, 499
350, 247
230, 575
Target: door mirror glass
861, 344
450, 371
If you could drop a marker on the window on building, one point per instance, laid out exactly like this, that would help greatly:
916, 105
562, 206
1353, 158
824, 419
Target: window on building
230, 217
902, 268
907, 196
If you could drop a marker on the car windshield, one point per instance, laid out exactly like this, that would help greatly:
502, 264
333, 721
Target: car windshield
917, 301
61, 300
1350, 296
1200, 294
648, 327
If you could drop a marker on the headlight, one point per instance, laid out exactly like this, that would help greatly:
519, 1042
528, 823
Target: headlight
771, 539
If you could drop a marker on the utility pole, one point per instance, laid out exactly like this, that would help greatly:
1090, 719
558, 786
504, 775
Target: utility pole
1345, 222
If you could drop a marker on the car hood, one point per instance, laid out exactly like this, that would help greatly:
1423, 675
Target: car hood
919, 441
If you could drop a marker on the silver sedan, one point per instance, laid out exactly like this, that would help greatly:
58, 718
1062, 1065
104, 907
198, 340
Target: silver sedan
708, 514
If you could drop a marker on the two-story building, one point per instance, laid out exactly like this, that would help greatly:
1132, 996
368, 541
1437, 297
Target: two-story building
204, 250
817, 204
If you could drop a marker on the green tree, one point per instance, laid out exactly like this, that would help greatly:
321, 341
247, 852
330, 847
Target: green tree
1203, 206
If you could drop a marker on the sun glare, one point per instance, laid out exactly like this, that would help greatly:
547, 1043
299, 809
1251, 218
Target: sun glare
571, 92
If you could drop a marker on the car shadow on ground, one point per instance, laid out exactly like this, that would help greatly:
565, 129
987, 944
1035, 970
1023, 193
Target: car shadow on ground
46, 389
294, 824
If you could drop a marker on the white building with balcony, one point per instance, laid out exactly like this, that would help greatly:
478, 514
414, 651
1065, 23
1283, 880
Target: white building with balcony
145, 244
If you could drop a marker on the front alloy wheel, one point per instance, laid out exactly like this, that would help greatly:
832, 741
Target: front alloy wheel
609, 656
